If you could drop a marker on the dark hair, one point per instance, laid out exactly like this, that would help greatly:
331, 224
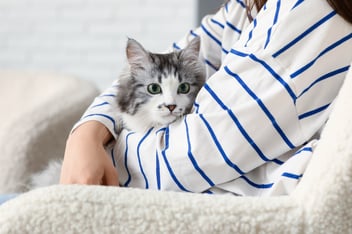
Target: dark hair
342, 7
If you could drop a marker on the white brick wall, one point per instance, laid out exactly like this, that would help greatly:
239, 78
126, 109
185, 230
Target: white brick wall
86, 38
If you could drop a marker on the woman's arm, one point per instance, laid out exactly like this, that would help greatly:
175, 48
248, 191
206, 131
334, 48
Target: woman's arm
271, 95
86, 161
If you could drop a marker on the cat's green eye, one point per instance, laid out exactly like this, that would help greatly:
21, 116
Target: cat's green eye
154, 88
184, 88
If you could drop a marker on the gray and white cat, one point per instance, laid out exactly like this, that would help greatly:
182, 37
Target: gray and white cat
153, 91
157, 89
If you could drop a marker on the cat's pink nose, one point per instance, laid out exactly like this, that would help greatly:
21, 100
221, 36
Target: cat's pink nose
171, 107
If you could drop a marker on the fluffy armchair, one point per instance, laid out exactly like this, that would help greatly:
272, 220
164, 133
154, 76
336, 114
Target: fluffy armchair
38, 111
322, 202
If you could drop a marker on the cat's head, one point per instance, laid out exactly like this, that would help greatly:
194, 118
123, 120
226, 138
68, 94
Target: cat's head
160, 87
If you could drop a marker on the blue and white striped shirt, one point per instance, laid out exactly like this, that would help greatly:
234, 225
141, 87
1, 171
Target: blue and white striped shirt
270, 88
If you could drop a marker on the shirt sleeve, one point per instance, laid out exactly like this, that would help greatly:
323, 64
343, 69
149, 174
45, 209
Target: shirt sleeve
271, 94
104, 110
212, 30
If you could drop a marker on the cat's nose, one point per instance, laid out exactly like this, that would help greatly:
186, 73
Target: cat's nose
171, 107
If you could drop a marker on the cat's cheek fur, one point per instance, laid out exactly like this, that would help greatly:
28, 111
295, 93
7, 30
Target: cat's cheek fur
143, 119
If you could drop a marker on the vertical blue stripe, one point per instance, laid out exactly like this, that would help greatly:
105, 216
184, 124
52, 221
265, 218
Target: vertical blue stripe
262, 106
219, 147
196, 106
276, 16
227, 6
157, 170
304, 34
126, 158
250, 34
139, 158
172, 174
193, 160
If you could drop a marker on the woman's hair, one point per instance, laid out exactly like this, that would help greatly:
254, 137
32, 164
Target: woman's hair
342, 7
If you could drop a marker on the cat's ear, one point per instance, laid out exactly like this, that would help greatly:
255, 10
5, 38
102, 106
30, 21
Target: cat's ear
136, 54
192, 49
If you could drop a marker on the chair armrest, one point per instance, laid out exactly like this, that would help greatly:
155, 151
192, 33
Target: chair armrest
40, 109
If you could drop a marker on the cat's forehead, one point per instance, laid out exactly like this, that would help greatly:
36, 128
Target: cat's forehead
160, 67
163, 77
165, 63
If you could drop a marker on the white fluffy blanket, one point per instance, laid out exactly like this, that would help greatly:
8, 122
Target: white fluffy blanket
322, 202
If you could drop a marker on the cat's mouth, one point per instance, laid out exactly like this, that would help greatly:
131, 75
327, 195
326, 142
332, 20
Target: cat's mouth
174, 114
170, 117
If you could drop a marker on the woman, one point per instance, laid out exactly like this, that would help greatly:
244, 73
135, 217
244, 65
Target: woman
274, 69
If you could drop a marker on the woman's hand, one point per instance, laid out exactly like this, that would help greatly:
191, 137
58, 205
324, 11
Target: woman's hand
86, 161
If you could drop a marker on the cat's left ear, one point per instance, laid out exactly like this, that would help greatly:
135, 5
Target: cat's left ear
192, 49
136, 54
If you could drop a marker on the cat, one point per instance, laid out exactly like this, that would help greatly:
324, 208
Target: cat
154, 90
157, 89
